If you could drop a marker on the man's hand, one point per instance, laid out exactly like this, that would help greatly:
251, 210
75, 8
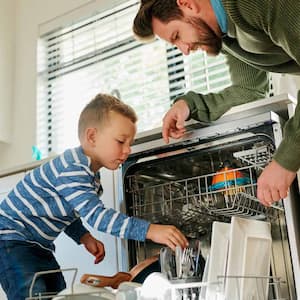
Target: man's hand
94, 246
168, 235
173, 121
273, 183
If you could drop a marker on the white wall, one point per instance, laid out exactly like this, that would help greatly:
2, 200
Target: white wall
7, 63
24, 20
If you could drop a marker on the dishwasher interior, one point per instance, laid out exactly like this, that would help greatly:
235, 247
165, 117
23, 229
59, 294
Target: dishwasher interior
214, 178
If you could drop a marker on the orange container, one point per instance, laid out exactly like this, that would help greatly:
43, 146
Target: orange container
228, 177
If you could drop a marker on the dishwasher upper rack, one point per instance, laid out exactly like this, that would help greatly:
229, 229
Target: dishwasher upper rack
197, 199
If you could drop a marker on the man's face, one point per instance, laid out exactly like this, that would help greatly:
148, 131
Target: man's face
188, 34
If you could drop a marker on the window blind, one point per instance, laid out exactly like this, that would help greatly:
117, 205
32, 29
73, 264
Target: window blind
101, 55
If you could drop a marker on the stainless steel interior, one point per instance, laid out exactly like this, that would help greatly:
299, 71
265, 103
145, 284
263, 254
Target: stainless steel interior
176, 184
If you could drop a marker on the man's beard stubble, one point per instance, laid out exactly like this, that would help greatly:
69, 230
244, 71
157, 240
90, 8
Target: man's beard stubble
207, 37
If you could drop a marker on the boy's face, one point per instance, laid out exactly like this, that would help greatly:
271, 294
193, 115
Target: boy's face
112, 142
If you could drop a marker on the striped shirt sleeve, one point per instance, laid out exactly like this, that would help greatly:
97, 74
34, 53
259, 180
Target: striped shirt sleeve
76, 230
75, 185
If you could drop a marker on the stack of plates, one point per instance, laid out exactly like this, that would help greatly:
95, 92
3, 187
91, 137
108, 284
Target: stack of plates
239, 260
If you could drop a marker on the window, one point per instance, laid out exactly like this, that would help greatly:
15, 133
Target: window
100, 54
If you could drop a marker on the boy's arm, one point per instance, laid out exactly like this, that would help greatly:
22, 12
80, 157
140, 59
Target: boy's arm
95, 247
78, 233
85, 201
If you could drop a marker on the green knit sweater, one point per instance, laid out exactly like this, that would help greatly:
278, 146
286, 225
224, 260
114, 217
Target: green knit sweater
263, 36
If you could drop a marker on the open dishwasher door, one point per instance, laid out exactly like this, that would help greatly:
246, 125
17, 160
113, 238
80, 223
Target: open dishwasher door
210, 175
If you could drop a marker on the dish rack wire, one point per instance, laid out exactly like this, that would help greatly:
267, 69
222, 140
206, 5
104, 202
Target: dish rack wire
257, 156
262, 288
182, 202
68, 294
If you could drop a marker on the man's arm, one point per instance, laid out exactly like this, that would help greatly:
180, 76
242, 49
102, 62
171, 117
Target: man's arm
281, 22
248, 84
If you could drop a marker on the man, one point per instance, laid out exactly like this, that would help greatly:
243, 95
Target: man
257, 37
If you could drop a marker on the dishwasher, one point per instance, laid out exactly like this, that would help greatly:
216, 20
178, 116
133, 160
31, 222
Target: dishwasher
209, 176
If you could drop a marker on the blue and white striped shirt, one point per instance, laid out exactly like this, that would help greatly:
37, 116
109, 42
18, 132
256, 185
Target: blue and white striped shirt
52, 198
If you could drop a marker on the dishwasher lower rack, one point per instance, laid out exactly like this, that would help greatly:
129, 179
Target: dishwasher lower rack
221, 194
158, 287
80, 292
244, 288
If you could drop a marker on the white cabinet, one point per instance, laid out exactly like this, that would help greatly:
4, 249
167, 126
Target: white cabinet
7, 63
8, 182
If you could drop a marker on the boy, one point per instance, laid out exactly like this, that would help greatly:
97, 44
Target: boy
52, 198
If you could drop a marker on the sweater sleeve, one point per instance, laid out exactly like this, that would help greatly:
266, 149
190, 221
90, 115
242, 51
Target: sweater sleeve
288, 152
74, 186
76, 230
282, 24
248, 84
279, 19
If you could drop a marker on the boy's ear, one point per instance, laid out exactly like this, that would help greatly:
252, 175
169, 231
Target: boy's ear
91, 135
189, 7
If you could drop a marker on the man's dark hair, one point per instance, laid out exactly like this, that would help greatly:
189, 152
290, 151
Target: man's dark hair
164, 10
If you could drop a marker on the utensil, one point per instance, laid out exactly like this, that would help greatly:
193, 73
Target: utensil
197, 257
228, 177
178, 259
165, 257
137, 274
186, 263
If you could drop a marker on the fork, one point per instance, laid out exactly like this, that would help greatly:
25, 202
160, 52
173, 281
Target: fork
187, 263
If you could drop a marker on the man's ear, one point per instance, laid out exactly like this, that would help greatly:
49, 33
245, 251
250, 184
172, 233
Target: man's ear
189, 7
91, 135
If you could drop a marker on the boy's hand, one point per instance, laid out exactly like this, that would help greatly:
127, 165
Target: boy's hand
168, 235
94, 246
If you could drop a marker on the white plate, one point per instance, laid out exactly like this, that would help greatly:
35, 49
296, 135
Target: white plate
249, 255
218, 258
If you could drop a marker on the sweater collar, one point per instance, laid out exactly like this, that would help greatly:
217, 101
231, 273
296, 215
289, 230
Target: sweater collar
87, 161
220, 14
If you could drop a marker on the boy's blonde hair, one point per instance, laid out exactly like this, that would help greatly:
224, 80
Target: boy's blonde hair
97, 110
